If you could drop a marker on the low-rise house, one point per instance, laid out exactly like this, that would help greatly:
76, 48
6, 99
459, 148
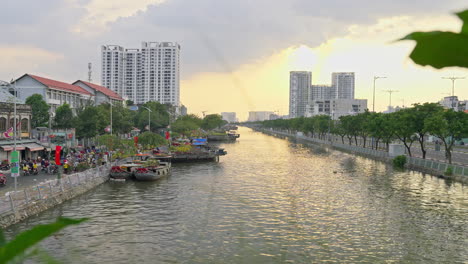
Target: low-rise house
55, 93
101, 93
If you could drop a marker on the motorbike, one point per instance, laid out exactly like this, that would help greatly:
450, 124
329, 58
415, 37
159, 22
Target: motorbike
3, 179
53, 169
26, 172
5, 167
34, 171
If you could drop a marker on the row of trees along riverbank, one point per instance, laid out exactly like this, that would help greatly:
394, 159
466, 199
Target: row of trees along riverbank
410, 125
90, 120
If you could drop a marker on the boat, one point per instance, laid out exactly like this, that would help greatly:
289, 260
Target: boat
155, 168
228, 136
122, 172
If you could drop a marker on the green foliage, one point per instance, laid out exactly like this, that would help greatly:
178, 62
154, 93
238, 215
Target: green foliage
15, 248
151, 140
40, 110
63, 117
91, 122
448, 126
399, 161
213, 121
186, 124
449, 171
129, 103
159, 116
441, 49
82, 166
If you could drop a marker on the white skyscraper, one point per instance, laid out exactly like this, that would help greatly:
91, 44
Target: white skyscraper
343, 83
147, 74
299, 92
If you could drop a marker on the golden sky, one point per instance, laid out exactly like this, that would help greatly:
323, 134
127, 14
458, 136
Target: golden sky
263, 85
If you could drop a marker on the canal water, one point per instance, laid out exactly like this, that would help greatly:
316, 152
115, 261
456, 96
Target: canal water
270, 200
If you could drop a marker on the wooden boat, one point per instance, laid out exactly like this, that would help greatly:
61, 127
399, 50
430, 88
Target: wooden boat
120, 173
160, 169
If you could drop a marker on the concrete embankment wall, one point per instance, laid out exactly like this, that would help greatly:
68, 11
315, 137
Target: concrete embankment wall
16, 206
433, 167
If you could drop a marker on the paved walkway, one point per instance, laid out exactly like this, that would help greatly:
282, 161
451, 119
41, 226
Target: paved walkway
24, 181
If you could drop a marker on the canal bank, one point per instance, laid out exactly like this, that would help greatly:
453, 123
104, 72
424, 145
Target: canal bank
17, 206
433, 167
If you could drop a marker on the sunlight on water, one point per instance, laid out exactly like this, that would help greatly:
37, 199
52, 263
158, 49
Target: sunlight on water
268, 201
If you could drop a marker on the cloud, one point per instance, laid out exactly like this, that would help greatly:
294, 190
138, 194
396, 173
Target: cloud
17, 58
216, 36
101, 12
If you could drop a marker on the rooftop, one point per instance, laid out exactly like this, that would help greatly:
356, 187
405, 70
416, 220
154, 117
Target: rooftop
58, 85
103, 90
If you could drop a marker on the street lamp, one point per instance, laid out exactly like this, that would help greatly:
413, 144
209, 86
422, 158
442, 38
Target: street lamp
149, 118
3, 83
110, 102
373, 96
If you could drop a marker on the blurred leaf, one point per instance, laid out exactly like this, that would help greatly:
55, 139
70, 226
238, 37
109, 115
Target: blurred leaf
464, 17
2, 238
439, 49
29, 238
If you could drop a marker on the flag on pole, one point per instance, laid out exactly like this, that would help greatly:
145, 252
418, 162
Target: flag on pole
168, 135
57, 154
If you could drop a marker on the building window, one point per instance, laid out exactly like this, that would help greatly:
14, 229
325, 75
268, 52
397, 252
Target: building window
3, 122
24, 125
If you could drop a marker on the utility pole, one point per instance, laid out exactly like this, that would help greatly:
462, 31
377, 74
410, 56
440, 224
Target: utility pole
373, 94
390, 93
90, 72
453, 79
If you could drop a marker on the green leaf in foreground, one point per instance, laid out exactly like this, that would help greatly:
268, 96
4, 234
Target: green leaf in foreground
441, 49
29, 238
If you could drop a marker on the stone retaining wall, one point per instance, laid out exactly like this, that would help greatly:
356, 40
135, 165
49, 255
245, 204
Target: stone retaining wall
22, 207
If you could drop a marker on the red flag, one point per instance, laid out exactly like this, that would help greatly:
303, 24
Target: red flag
57, 154
135, 139
168, 135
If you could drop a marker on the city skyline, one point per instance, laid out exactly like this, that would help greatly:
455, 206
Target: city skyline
243, 68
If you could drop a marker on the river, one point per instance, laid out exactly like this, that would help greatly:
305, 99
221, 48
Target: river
270, 200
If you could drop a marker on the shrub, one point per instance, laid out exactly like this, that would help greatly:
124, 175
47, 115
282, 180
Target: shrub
449, 171
399, 161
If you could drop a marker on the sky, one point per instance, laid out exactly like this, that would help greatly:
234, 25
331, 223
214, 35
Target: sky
236, 54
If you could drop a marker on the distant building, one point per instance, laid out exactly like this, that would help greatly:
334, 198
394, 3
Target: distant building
147, 74
452, 102
183, 110
343, 85
337, 107
259, 115
230, 117
299, 92
321, 92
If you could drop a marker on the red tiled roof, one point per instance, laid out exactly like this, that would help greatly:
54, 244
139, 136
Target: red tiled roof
103, 90
59, 85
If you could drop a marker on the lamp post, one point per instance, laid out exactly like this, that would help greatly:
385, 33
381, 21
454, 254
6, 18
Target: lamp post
373, 96
149, 117
110, 102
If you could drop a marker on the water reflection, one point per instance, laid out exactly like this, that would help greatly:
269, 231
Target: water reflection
269, 201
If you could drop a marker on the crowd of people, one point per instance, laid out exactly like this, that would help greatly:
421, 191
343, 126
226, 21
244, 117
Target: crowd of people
71, 162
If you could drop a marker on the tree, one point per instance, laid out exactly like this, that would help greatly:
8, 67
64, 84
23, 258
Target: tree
404, 128
213, 121
90, 122
448, 126
63, 117
40, 110
185, 124
159, 116
419, 113
150, 140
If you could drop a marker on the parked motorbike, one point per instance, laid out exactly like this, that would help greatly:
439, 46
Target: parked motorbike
26, 172
34, 171
3, 179
5, 167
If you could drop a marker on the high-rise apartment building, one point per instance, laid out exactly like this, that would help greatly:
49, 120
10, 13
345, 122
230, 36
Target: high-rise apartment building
299, 90
343, 84
229, 116
141, 75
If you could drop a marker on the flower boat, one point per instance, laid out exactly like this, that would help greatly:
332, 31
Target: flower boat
152, 173
120, 172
